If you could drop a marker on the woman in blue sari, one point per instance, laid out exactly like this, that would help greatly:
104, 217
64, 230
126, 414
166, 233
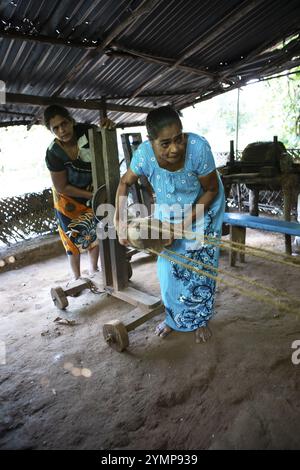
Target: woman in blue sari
181, 170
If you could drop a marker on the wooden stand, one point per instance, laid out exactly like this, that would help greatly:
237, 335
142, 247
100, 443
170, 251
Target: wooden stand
255, 183
114, 261
276, 172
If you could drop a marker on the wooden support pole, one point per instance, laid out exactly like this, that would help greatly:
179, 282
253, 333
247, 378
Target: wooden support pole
253, 201
239, 196
287, 190
99, 180
231, 154
119, 264
237, 235
103, 109
134, 190
287, 206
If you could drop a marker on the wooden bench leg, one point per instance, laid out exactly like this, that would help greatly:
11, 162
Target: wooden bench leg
238, 235
288, 244
253, 201
287, 205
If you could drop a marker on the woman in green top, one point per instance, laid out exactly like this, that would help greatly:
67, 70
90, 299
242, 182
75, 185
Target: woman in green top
68, 159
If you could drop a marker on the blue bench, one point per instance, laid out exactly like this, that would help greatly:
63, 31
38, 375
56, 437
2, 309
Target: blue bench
239, 222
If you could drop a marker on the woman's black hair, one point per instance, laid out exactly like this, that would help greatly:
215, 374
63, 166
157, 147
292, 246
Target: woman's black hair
55, 110
159, 118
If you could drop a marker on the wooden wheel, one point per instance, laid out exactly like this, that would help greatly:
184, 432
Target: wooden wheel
59, 298
116, 335
129, 270
100, 197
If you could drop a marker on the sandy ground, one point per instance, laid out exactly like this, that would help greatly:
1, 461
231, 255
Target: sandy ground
62, 387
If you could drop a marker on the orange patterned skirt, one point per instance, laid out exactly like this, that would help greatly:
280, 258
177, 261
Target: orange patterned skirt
76, 224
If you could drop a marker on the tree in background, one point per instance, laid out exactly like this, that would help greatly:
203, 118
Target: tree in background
266, 109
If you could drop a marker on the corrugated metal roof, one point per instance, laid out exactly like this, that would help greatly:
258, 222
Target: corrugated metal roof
48, 49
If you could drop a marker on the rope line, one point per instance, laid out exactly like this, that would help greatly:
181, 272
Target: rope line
239, 247
268, 301
286, 260
245, 279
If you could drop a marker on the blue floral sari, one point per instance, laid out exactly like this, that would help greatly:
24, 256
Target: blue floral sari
188, 296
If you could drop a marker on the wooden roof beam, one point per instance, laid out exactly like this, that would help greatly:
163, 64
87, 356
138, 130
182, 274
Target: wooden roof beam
72, 103
16, 113
121, 51
207, 93
14, 123
45, 40
257, 54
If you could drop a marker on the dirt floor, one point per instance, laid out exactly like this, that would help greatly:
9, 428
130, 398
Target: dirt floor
62, 387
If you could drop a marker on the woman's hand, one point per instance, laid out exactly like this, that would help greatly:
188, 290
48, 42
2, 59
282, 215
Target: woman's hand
106, 123
121, 228
123, 241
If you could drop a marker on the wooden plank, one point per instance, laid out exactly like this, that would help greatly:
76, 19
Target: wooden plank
240, 237
238, 176
136, 297
139, 320
77, 286
123, 52
34, 100
119, 263
95, 140
39, 38
287, 206
253, 201
237, 235
262, 223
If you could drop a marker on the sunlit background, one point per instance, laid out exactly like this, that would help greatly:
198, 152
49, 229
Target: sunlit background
255, 112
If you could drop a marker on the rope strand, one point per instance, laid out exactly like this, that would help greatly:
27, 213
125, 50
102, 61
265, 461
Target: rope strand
268, 301
245, 279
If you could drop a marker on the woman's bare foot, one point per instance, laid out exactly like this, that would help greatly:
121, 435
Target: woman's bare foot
163, 330
202, 334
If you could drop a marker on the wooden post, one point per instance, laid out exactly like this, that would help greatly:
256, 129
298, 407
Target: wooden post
119, 264
231, 153
141, 191
103, 110
253, 201
135, 189
99, 180
105, 170
237, 235
287, 205
239, 196
287, 189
